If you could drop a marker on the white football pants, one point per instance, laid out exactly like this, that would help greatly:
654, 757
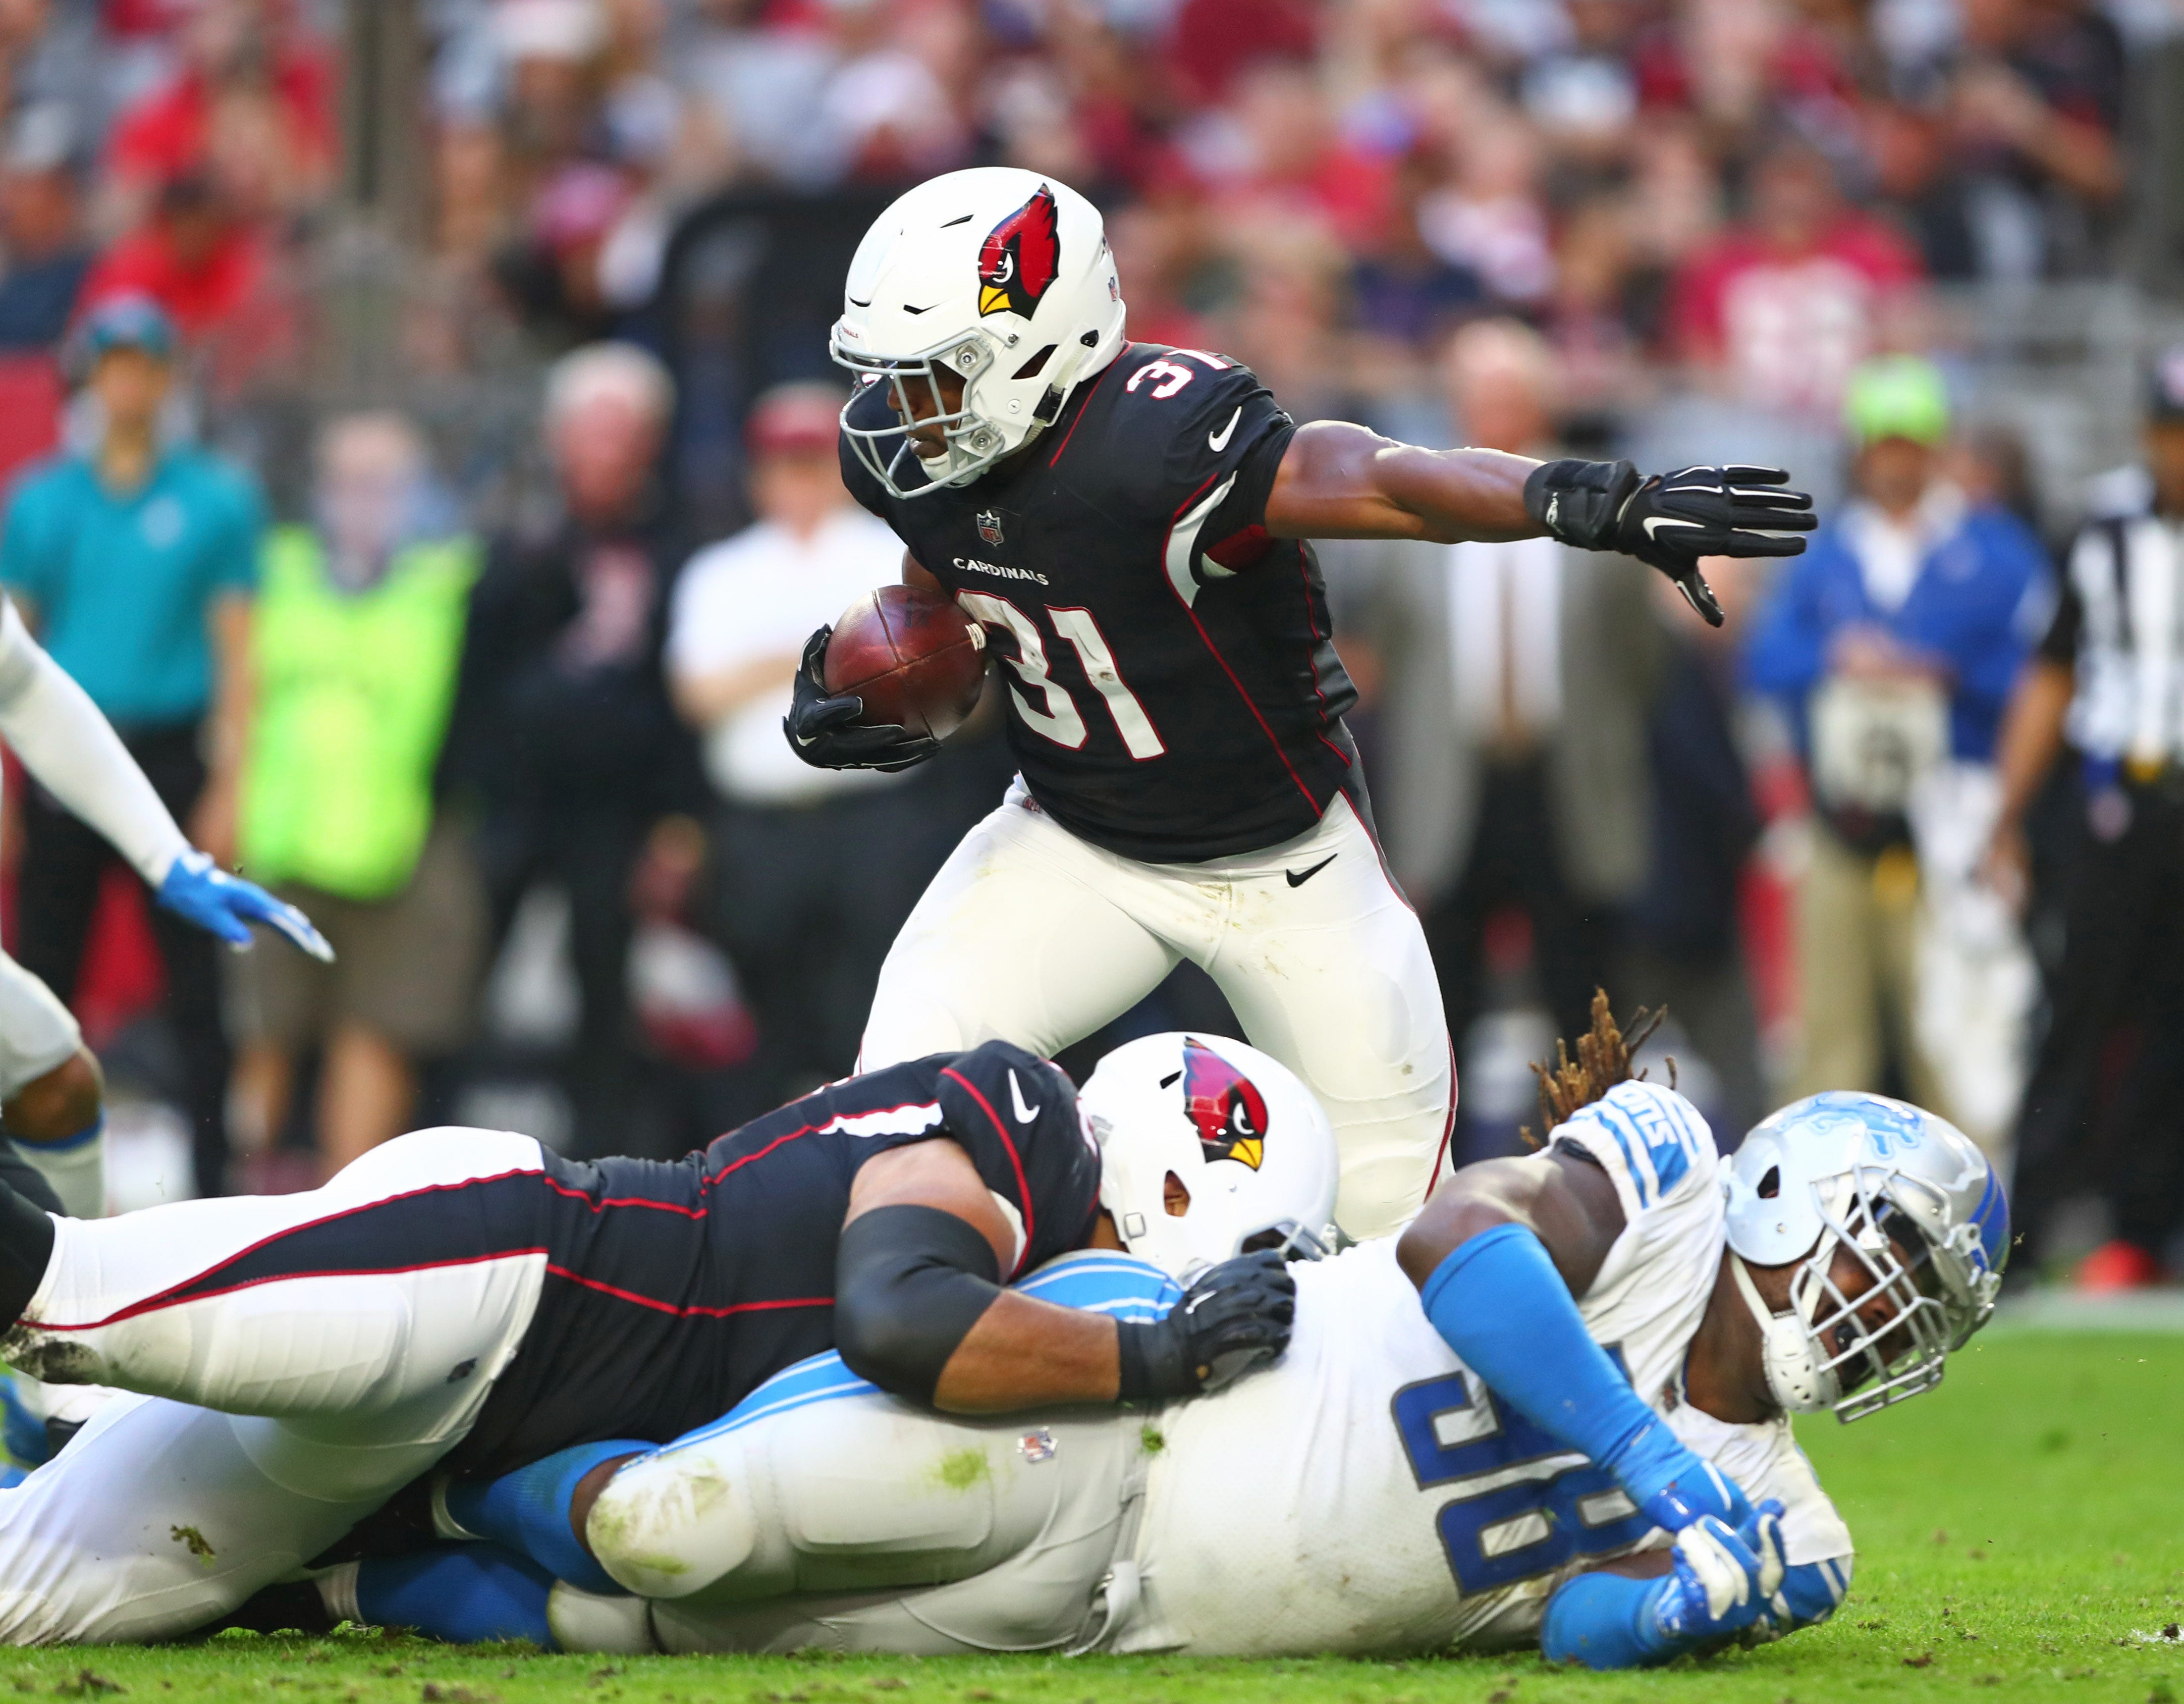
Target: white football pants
1033, 935
340, 1385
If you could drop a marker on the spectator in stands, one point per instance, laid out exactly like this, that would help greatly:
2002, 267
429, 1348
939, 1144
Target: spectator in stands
552, 74
2034, 105
812, 879
357, 643
1512, 769
565, 733
1790, 300
194, 257
1891, 644
2104, 679
251, 93
41, 228
137, 561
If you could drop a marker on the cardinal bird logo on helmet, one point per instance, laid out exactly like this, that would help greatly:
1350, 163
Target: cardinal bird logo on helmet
1226, 1105
1020, 257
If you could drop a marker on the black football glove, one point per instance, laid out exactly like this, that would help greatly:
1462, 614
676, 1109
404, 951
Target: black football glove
1670, 520
825, 732
1234, 1317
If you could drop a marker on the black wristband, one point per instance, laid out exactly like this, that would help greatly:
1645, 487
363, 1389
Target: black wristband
1578, 502
909, 1284
1150, 1363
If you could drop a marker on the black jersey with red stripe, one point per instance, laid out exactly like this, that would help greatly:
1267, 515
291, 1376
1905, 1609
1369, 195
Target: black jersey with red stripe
673, 1287
1175, 694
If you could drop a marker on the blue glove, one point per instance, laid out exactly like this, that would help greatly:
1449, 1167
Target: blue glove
1699, 1488
198, 892
1718, 1585
1720, 1582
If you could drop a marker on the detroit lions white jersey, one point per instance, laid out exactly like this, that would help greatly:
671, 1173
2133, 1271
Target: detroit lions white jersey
1400, 1506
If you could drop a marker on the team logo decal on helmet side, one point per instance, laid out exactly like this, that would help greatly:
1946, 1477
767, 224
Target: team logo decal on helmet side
1020, 256
1226, 1105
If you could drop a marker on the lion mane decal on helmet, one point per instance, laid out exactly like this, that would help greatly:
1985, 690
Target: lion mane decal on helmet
1020, 257
1226, 1105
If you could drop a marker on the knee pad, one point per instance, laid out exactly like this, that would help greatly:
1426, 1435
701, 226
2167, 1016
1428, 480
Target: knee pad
689, 1517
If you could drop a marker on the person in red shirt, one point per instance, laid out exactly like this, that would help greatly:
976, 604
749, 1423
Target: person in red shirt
193, 257
237, 53
1788, 301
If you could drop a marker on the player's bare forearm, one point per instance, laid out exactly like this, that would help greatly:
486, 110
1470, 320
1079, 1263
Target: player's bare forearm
915, 573
1569, 1205
1341, 481
1024, 1353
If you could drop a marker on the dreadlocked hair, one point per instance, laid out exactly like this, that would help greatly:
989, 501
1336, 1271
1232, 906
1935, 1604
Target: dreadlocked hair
1604, 1053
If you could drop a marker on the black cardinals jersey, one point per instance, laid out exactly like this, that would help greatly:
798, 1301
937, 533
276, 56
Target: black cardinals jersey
1175, 695
674, 1287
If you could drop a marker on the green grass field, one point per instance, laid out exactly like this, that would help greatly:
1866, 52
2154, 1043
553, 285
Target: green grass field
2018, 1532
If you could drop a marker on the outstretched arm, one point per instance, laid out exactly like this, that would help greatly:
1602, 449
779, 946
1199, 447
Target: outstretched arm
73, 752
1340, 481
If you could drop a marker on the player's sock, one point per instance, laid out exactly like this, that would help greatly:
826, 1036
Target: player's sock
464, 1594
528, 1511
76, 1167
1499, 1303
26, 1247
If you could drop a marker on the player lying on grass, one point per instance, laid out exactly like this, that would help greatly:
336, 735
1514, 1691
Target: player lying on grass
50, 1091
467, 1296
1501, 1465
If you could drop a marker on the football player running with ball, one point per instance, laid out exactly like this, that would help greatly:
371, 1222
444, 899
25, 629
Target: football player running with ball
1128, 521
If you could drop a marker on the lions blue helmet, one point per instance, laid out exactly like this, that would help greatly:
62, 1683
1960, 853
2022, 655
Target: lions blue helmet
1915, 1204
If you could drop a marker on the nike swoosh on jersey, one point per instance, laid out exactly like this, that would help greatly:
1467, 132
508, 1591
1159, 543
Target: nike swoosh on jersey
1025, 1113
1218, 441
1298, 879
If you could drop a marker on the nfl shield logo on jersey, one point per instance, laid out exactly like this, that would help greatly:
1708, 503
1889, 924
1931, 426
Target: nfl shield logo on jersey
989, 526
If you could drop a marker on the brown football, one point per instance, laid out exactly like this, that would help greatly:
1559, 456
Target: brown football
912, 656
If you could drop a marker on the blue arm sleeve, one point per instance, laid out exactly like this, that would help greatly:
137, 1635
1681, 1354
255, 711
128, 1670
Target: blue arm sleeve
464, 1594
528, 1512
1499, 1303
1604, 1621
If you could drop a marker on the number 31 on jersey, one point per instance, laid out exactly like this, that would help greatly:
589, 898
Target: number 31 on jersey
1055, 717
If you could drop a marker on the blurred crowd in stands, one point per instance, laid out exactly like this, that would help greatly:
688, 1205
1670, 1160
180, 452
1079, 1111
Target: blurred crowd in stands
456, 595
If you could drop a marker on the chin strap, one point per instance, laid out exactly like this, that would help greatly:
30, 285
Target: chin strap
1795, 1378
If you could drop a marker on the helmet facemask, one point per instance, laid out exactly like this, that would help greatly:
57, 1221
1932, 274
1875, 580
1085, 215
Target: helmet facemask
970, 443
1828, 1351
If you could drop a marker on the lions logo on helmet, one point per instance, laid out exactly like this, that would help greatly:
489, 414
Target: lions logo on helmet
1020, 257
1226, 1106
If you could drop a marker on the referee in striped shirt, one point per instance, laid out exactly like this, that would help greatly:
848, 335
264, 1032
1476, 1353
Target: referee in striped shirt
2105, 1104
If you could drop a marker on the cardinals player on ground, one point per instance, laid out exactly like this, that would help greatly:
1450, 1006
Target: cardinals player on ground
1128, 522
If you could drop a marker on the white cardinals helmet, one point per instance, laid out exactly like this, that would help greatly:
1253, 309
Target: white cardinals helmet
999, 277
1912, 1200
1244, 1139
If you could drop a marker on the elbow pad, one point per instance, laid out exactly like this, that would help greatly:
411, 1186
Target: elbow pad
909, 1284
